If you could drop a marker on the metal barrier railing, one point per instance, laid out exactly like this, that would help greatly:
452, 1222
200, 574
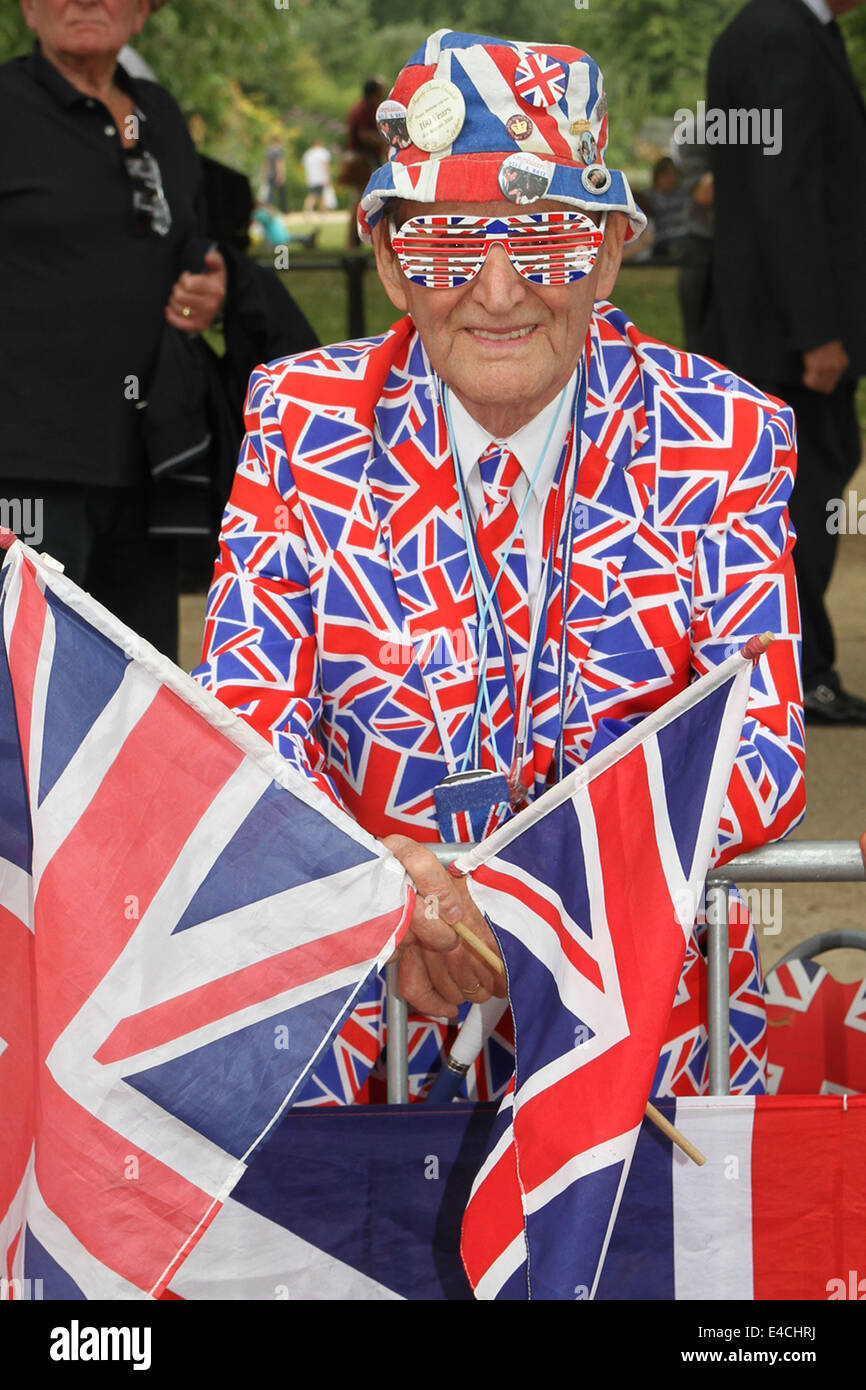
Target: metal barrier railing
795, 861
354, 265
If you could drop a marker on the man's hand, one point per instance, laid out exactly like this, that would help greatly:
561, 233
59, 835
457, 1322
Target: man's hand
195, 300
703, 191
437, 972
824, 367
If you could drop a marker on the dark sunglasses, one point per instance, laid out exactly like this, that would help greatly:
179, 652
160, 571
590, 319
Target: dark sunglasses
149, 203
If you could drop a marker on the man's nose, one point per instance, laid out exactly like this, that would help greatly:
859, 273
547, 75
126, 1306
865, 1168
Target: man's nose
498, 284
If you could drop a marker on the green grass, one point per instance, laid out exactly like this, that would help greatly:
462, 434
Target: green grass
648, 294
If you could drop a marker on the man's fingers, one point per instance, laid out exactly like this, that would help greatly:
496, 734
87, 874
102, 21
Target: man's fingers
416, 987
439, 967
437, 904
460, 976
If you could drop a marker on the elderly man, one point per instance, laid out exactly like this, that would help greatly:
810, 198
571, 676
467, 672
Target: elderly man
101, 202
452, 551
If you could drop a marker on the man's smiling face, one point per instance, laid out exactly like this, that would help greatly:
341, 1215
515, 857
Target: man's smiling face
505, 347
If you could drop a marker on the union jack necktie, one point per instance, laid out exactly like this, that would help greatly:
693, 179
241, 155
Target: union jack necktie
496, 525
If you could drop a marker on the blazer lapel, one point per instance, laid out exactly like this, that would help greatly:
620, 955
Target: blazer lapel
612, 492
411, 477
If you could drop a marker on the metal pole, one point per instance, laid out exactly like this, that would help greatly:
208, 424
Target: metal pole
795, 861
718, 990
397, 1055
354, 266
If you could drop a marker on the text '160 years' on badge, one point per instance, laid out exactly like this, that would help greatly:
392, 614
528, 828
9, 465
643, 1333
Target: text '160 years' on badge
435, 115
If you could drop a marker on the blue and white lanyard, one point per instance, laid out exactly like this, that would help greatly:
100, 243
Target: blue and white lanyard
485, 598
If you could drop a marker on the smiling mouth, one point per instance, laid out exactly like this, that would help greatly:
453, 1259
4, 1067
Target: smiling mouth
502, 335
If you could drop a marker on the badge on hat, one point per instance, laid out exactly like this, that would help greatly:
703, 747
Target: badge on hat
524, 178
596, 179
588, 148
391, 120
519, 127
540, 79
435, 115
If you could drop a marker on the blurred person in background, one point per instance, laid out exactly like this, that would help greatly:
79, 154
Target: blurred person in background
274, 189
100, 207
667, 210
365, 146
317, 174
696, 256
788, 306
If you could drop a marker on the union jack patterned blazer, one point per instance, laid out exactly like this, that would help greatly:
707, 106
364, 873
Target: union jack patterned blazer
341, 620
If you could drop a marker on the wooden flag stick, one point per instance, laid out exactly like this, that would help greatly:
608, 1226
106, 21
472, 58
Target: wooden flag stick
479, 948
675, 1135
756, 646
671, 1131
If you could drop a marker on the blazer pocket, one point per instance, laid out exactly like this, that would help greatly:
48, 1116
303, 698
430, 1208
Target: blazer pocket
641, 667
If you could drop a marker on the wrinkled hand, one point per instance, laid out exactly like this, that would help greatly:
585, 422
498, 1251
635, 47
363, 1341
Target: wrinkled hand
436, 971
201, 296
824, 366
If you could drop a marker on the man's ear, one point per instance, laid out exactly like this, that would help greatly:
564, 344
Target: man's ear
610, 254
388, 266
143, 9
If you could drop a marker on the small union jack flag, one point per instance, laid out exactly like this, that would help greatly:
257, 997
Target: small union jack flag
592, 893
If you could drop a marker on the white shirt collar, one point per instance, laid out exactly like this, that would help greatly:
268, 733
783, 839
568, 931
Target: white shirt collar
471, 439
820, 10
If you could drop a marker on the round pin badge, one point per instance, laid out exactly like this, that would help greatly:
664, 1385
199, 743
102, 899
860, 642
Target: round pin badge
391, 120
435, 115
519, 127
540, 79
596, 179
524, 178
588, 148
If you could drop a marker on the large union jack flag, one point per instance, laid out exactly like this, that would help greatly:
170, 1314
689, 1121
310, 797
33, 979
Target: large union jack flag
592, 893
184, 924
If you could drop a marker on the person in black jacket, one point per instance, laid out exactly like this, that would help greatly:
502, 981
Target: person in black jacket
789, 272
100, 199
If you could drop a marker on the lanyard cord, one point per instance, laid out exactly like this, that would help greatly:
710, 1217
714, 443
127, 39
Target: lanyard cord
539, 628
482, 699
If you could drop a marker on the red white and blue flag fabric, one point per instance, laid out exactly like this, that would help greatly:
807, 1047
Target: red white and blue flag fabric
592, 892
775, 1213
185, 923
816, 1030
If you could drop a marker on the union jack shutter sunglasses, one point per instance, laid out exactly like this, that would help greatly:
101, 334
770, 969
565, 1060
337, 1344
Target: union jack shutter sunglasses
443, 251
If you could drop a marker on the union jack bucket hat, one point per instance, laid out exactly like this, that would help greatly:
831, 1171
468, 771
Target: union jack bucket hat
473, 119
